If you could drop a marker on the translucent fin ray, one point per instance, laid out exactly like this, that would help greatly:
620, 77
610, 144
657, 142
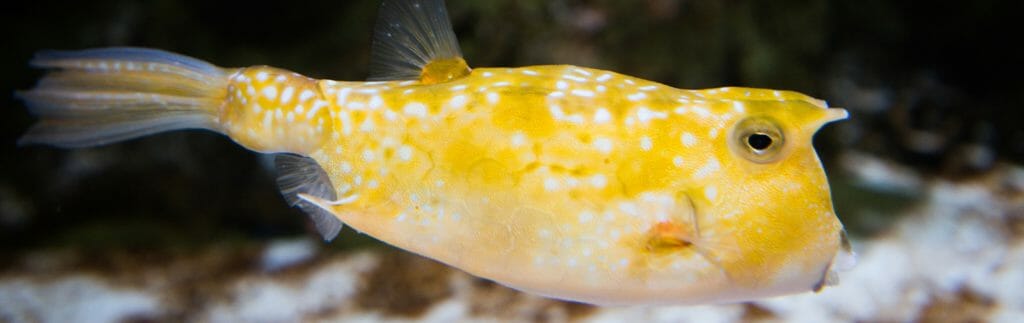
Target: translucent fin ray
302, 175
410, 34
108, 128
105, 95
126, 59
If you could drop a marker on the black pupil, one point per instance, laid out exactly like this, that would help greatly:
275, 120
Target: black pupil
759, 141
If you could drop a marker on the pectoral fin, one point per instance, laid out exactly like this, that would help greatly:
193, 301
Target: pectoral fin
303, 182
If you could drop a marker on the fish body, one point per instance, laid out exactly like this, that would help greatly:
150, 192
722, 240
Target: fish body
569, 182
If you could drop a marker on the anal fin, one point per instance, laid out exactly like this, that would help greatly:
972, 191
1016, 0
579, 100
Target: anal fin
300, 178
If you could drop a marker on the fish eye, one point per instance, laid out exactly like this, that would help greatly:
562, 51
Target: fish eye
759, 140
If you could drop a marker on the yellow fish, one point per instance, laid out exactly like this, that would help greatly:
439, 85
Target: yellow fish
569, 182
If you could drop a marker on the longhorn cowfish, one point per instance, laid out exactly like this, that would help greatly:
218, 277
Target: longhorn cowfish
569, 182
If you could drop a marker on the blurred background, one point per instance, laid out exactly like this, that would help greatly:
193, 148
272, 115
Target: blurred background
926, 173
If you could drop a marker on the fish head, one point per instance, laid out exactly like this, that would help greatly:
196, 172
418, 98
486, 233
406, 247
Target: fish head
773, 195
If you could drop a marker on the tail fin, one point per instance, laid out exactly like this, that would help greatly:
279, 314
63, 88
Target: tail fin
99, 96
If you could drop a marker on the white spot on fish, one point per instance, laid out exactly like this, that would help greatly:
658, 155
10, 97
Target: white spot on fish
550, 184
346, 167
544, 233
415, 109
576, 118
530, 72
711, 192
306, 95
343, 96
604, 77
518, 139
286, 95
346, 123
645, 114
267, 120
376, 102
405, 153
603, 145
574, 78
487, 74
459, 87
262, 76
270, 92
646, 144
572, 182
561, 85
688, 139
636, 96
368, 155
367, 125
599, 181
602, 116
458, 101
583, 93
738, 107
710, 167
678, 161
290, 116
556, 111
316, 107
493, 97
257, 108
648, 88
701, 111
581, 71
586, 216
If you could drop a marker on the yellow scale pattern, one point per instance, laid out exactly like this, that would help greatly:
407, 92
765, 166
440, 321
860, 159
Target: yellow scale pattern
273, 110
522, 168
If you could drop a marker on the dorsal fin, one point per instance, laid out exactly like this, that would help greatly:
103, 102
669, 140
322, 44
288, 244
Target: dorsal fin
302, 175
414, 40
